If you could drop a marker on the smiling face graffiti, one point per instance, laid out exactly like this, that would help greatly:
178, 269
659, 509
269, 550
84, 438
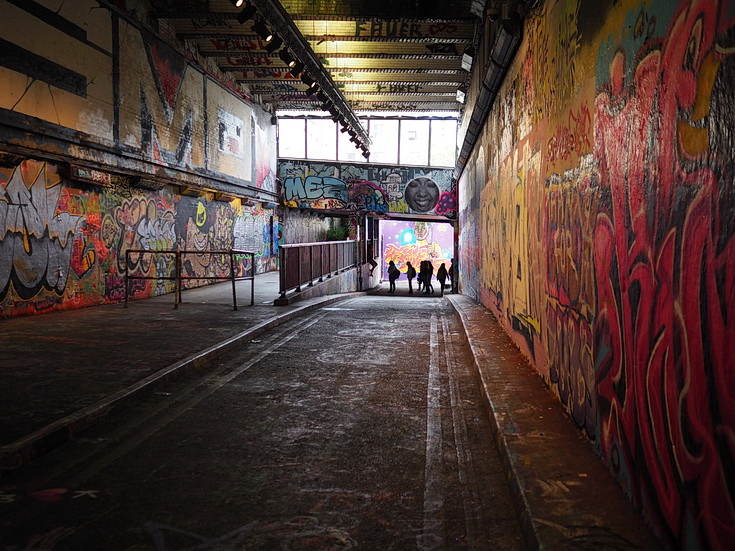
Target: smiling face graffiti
422, 194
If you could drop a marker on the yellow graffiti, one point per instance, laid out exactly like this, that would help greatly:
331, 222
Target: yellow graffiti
694, 140
201, 215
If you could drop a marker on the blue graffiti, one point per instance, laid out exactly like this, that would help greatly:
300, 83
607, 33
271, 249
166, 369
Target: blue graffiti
313, 188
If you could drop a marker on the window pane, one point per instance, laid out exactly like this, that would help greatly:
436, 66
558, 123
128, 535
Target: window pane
384, 141
321, 139
291, 139
414, 142
347, 149
443, 143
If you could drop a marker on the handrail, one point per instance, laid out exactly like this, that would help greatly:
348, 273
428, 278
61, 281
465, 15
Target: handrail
178, 277
304, 262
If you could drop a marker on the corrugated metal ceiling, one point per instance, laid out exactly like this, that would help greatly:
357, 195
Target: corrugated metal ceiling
383, 55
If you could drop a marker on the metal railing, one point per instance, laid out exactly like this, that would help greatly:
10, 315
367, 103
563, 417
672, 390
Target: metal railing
303, 263
178, 276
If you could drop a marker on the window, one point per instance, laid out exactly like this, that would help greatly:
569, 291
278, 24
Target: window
384, 141
443, 150
291, 138
347, 149
394, 139
321, 139
414, 142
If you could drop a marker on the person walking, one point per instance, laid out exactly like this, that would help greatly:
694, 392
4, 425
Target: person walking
451, 274
428, 273
420, 277
410, 274
393, 274
441, 277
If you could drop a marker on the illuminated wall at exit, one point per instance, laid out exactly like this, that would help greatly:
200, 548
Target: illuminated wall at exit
416, 241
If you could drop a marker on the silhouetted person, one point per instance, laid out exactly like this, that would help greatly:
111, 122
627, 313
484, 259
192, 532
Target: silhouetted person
410, 274
428, 271
441, 277
451, 274
393, 274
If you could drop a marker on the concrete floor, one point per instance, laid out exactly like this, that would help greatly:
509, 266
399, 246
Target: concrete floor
359, 425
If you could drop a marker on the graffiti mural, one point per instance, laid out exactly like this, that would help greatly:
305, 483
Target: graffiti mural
63, 246
252, 231
572, 203
266, 160
312, 185
416, 241
36, 239
303, 227
665, 260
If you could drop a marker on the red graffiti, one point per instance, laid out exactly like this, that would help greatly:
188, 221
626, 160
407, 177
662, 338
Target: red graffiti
574, 137
244, 61
665, 262
446, 28
235, 45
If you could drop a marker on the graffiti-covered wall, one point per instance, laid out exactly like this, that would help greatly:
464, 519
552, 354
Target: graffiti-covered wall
114, 139
320, 185
602, 196
63, 245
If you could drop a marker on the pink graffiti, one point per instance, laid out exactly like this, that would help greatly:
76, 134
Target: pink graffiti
447, 202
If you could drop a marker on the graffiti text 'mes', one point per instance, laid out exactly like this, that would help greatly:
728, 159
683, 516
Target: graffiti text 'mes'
313, 188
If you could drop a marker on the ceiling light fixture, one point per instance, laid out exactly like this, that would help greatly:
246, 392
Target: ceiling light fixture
273, 44
306, 79
297, 69
246, 14
286, 57
321, 96
262, 31
467, 57
237, 3
313, 89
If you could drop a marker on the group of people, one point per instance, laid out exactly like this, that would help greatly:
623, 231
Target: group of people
423, 277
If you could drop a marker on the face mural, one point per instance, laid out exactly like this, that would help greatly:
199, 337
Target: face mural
422, 194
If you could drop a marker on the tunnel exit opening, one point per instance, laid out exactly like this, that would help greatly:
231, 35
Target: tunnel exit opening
404, 241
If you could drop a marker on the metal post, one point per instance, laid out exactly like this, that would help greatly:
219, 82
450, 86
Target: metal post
301, 275
232, 276
177, 268
252, 279
127, 263
311, 265
282, 271
321, 263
